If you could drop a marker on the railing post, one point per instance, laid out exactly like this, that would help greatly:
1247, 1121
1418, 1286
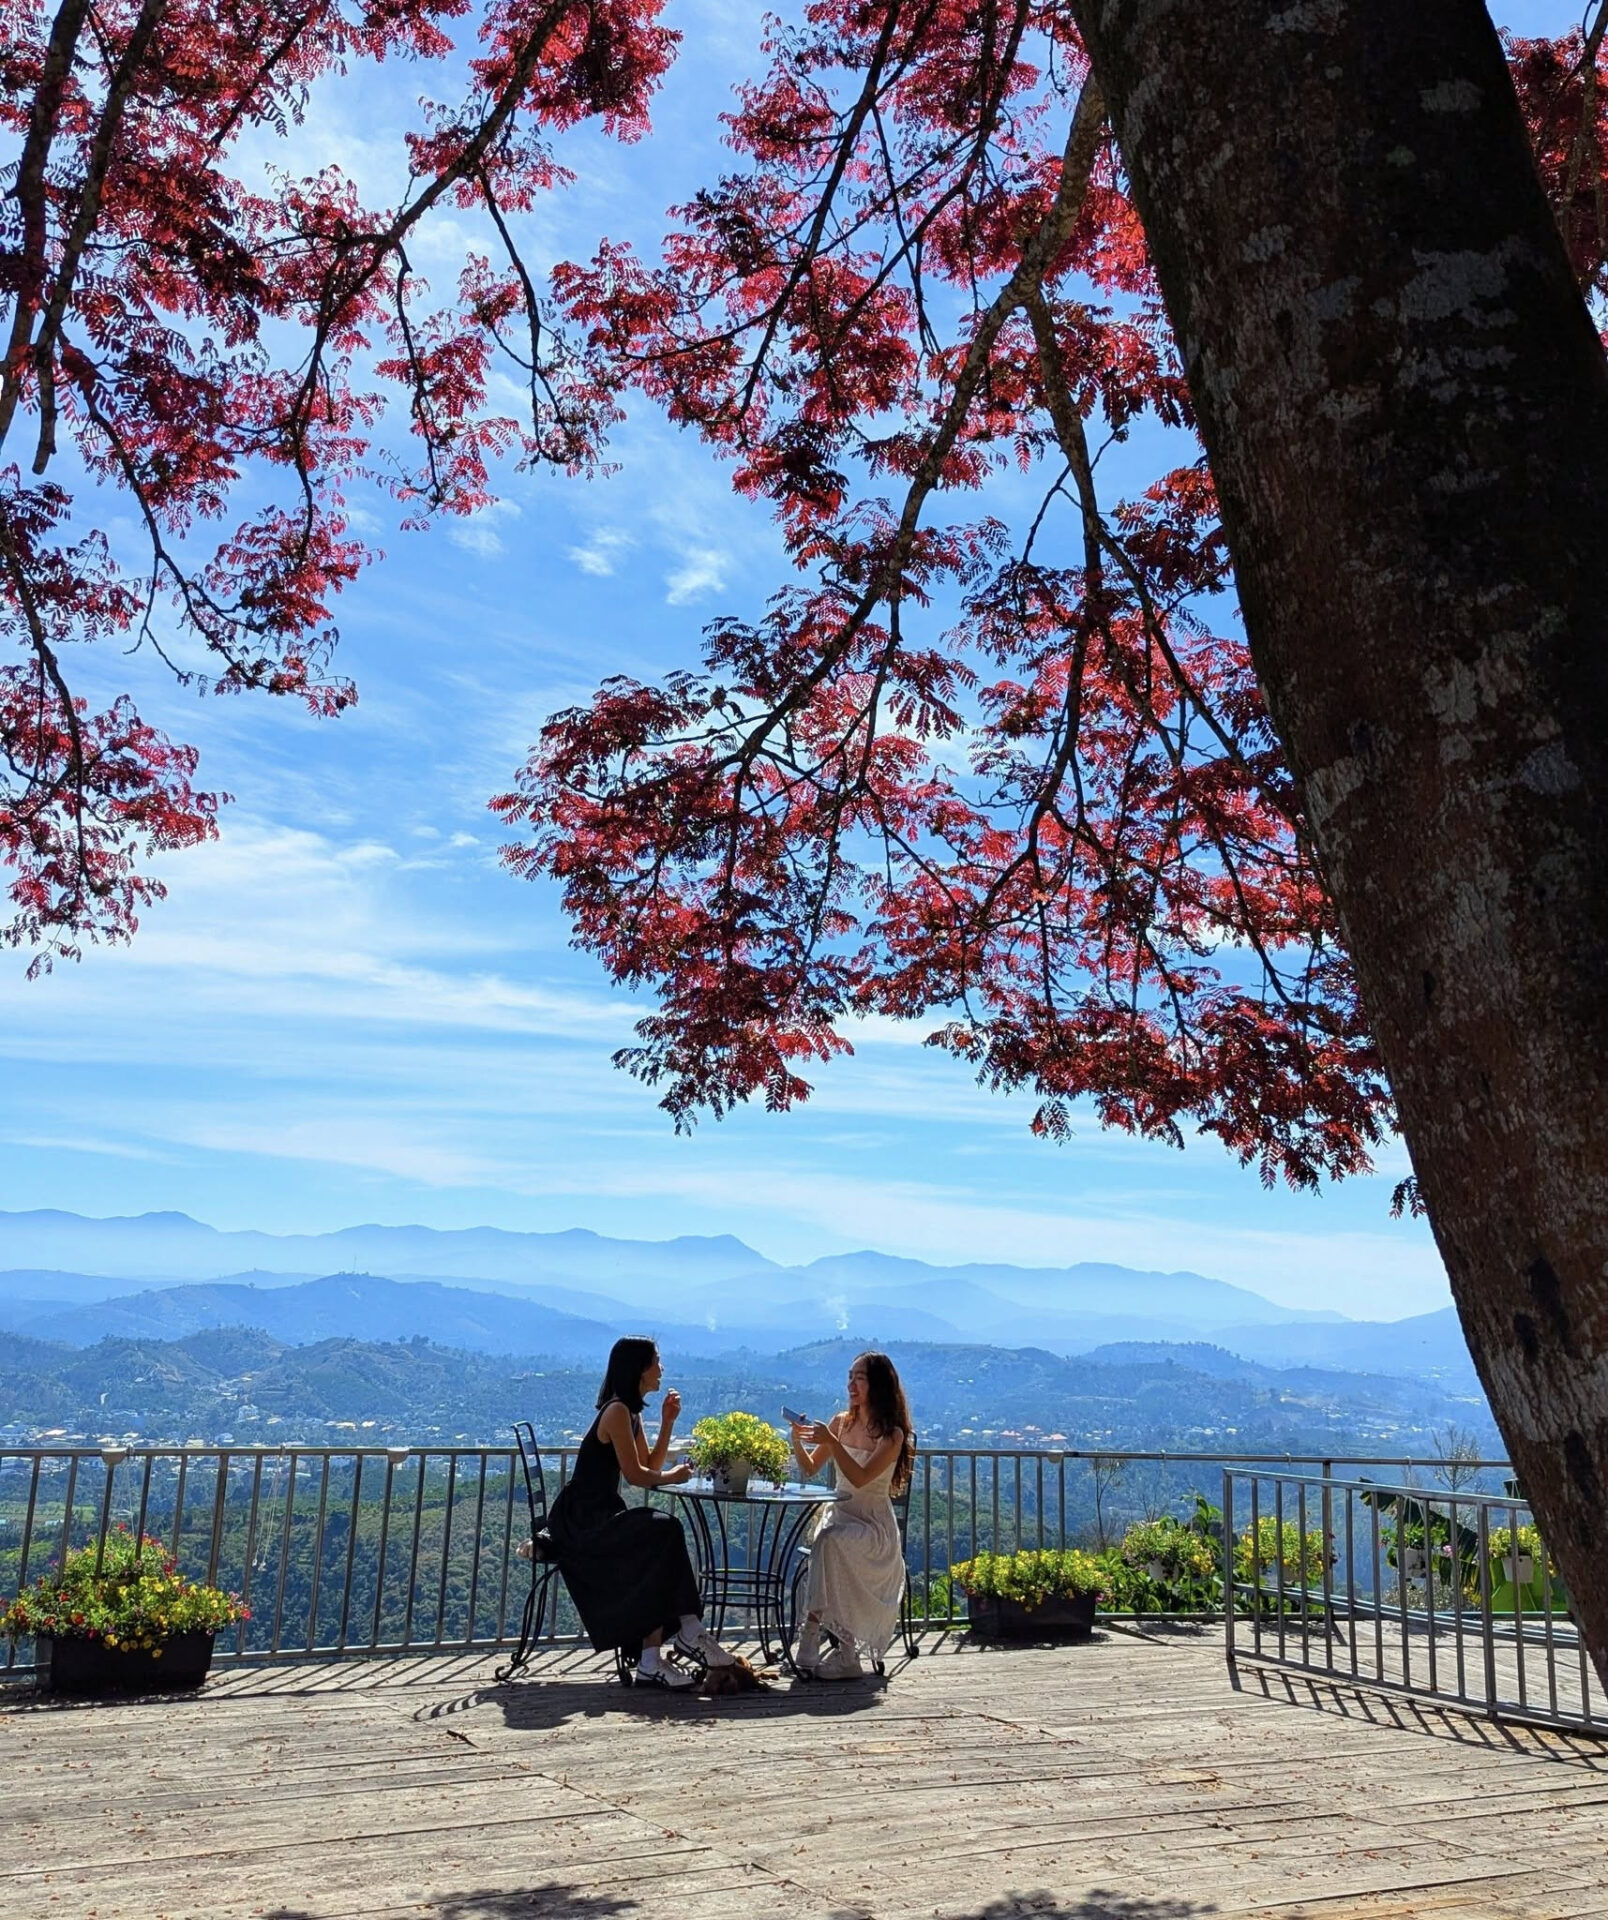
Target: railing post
219, 1502
1228, 1565
1327, 1523
109, 1457
1485, 1606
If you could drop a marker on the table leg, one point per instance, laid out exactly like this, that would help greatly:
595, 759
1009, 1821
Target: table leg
707, 1562
722, 1577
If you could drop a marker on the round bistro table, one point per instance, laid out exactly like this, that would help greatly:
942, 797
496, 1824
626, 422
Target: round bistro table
762, 1580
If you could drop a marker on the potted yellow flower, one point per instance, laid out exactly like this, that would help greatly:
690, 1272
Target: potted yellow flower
118, 1618
1033, 1594
727, 1447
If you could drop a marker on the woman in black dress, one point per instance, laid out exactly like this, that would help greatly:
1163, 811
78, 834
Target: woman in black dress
627, 1568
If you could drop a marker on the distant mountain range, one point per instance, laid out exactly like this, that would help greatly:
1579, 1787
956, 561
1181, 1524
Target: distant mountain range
567, 1295
247, 1388
172, 1246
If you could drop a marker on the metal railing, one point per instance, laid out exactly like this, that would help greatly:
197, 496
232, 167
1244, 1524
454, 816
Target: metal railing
965, 1501
1444, 1594
381, 1551
334, 1551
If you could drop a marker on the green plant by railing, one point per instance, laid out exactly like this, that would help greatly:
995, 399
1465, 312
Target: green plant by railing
1031, 1576
134, 1597
1423, 1542
932, 1597
725, 1437
1529, 1538
1167, 1566
1304, 1558
1523, 1573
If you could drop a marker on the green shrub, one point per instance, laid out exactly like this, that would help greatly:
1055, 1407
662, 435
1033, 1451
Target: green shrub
722, 1438
1304, 1561
1168, 1566
1501, 1541
136, 1599
1031, 1576
932, 1599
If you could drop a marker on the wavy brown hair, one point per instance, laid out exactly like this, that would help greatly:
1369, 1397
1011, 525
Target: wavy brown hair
888, 1411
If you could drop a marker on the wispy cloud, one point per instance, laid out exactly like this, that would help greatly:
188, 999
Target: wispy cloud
601, 552
702, 571
477, 532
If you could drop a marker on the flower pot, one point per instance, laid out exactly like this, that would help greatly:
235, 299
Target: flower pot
731, 1478
1518, 1570
1414, 1563
92, 1667
1061, 1617
1157, 1571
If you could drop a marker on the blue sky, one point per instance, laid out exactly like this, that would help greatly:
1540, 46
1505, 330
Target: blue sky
346, 1011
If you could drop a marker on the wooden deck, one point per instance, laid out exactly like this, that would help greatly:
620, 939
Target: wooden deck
1121, 1780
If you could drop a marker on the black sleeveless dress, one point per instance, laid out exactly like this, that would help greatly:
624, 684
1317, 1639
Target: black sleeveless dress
627, 1568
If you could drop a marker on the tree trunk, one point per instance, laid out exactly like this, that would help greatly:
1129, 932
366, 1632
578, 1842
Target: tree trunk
1406, 410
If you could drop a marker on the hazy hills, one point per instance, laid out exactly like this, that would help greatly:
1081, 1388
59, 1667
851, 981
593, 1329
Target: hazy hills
566, 1295
254, 1388
172, 1246
341, 1306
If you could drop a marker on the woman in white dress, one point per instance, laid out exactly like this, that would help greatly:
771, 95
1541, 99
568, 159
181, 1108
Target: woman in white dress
857, 1571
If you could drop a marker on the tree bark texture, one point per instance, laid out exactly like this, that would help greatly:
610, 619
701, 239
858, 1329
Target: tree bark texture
1405, 405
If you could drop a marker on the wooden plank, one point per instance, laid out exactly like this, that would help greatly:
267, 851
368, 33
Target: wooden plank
1101, 1779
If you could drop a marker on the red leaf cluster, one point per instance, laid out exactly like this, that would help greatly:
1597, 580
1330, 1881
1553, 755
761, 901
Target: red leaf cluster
188, 334
1008, 772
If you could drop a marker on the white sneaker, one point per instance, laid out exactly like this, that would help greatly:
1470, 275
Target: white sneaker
840, 1664
668, 1674
704, 1646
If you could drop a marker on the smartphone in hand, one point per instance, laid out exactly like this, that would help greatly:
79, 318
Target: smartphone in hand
796, 1419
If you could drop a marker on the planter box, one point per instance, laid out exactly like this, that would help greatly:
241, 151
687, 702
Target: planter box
92, 1667
1055, 1619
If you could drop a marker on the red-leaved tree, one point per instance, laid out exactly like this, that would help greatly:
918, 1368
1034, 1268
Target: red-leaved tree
215, 344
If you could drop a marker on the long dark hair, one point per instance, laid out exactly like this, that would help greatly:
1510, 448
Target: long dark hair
888, 1411
629, 1359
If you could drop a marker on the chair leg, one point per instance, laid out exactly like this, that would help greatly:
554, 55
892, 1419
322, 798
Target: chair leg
790, 1624
907, 1627
522, 1649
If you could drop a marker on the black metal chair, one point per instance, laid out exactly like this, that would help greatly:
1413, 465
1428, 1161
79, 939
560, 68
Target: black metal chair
543, 1564
907, 1619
